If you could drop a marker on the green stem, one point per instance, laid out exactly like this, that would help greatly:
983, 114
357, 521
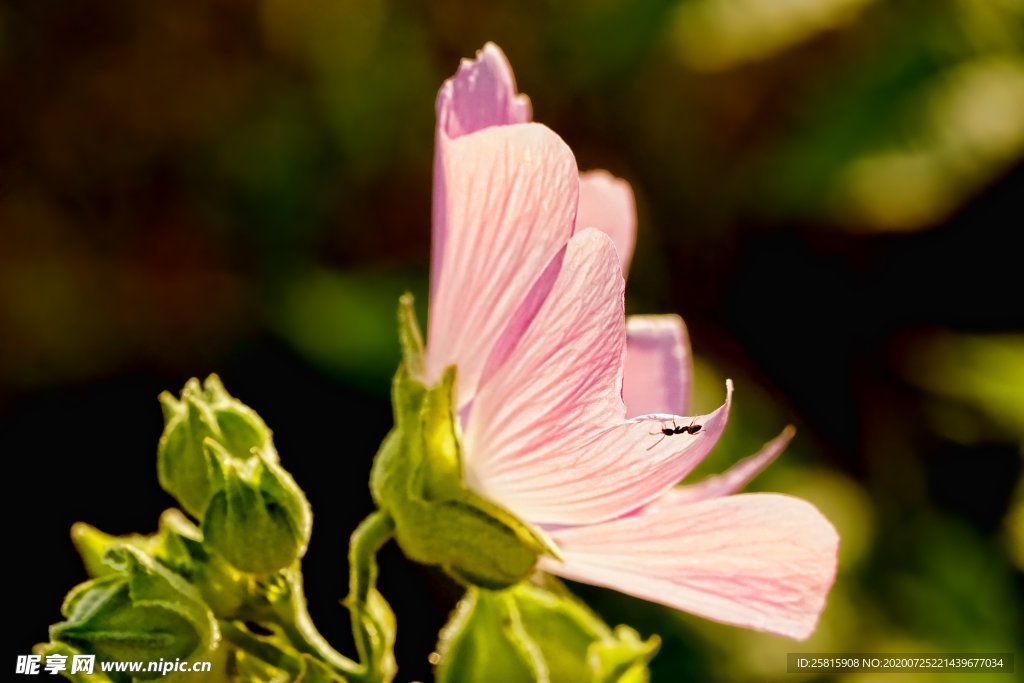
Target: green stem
259, 648
367, 539
292, 616
289, 612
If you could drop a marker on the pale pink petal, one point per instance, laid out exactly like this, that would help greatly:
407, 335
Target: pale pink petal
606, 476
757, 560
482, 93
607, 203
561, 381
547, 435
508, 200
733, 479
659, 368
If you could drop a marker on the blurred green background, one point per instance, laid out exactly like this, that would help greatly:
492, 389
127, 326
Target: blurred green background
829, 193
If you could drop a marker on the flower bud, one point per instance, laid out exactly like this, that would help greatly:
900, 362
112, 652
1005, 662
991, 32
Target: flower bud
486, 641
141, 611
575, 643
178, 546
258, 519
204, 412
528, 633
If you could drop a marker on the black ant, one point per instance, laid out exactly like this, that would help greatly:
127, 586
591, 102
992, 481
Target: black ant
675, 429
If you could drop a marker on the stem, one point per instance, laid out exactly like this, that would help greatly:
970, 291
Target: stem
367, 539
290, 612
293, 617
258, 648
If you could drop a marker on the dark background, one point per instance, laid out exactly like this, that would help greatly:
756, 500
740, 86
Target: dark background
831, 199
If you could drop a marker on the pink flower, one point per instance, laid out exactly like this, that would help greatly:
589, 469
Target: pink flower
559, 393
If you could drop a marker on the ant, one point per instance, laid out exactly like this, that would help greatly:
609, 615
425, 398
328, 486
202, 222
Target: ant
675, 429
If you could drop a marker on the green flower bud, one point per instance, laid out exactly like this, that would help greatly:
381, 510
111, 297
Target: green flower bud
575, 643
417, 479
142, 611
178, 546
205, 412
259, 519
486, 641
528, 633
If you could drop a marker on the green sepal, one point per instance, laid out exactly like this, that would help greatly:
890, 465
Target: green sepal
485, 640
142, 611
64, 650
409, 336
205, 412
259, 520
624, 658
92, 546
177, 544
417, 478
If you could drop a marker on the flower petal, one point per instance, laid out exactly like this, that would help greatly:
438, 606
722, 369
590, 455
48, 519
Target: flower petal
560, 382
734, 478
482, 93
617, 471
659, 368
607, 203
547, 435
505, 200
758, 560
